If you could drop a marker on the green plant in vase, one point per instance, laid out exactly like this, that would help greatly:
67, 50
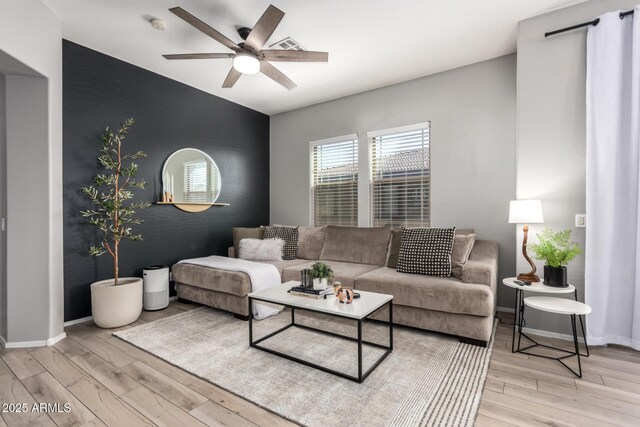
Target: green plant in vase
556, 250
118, 301
321, 274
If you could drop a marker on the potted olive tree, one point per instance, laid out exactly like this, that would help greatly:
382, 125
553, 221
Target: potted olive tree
321, 274
556, 250
118, 301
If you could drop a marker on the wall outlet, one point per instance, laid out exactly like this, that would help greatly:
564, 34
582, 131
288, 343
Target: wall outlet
3, 224
581, 220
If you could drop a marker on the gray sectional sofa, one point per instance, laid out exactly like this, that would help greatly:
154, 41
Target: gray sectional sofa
363, 258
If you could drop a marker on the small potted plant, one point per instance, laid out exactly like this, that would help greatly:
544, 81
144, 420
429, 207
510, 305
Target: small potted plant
118, 301
321, 274
556, 250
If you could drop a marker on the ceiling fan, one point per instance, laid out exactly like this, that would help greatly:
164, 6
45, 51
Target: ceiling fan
249, 57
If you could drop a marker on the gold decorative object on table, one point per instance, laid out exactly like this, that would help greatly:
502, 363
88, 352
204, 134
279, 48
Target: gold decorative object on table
526, 212
336, 288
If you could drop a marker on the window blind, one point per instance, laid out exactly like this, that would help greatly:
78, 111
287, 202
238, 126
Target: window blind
400, 176
195, 182
334, 182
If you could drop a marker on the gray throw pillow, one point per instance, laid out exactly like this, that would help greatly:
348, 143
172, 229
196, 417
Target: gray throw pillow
464, 231
426, 251
310, 241
240, 233
462, 247
394, 249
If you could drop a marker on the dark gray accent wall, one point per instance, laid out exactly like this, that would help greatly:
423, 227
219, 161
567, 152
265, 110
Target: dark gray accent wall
99, 91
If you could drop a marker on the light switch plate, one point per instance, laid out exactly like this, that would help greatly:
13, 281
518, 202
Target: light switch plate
581, 220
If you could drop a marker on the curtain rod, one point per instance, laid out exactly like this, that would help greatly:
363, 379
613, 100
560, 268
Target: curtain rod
584, 24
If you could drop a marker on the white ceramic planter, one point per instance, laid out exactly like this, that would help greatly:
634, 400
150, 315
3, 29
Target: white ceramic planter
115, 306
320, 284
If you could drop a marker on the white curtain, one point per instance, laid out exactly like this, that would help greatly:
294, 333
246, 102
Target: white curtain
612, 275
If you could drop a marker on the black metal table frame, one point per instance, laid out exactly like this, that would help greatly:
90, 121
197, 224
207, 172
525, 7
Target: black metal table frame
361, 376
518, 323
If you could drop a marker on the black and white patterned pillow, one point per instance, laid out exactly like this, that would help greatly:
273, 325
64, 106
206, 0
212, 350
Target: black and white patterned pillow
290, 237
426, 251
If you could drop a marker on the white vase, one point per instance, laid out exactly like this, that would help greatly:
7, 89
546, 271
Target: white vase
114, 306
320, 284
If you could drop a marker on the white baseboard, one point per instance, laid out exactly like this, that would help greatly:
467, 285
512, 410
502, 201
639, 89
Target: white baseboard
52, 341
3, 343
539, 332
555, 335
76, 321
88, 318
39, 343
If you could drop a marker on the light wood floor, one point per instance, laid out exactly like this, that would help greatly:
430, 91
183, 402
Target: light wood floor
109, 382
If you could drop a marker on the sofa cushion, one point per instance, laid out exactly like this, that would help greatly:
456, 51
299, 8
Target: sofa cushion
240, 233
394, 248
310, 241
261, 249
356, 244
230, 282
433, 293
281, 265
462, 247
426, 251
290, 237
343, 272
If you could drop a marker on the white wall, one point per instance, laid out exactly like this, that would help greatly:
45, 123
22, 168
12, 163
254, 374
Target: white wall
552, 127
472, 114
31, 34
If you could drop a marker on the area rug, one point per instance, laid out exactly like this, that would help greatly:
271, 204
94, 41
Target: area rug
428, 379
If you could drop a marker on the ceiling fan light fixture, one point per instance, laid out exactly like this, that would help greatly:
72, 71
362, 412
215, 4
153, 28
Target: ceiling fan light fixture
246, 63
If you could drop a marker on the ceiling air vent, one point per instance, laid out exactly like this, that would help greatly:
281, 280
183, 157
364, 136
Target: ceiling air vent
288, 44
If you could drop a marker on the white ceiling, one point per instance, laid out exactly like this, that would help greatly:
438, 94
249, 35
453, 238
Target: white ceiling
371, 43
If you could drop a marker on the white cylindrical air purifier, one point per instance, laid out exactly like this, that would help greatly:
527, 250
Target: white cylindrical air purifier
156, 287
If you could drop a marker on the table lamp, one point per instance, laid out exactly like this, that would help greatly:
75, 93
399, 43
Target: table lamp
526, 212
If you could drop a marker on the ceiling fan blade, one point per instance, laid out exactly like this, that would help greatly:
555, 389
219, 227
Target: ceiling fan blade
265, 26
199, 55
277, 75
232, 78
280, 55
205, 28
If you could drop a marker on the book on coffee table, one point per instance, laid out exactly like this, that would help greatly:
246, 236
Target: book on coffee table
310, 292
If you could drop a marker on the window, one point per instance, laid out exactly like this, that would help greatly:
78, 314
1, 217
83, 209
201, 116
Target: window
400, 176
195, 181
334, 181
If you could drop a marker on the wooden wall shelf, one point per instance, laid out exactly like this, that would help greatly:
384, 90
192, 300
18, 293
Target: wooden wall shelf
192, 207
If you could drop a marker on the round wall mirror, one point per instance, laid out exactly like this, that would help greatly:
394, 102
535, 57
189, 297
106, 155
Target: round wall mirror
191, 176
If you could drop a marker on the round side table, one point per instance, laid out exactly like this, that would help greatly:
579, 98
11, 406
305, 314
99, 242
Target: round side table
566, 307
535, 287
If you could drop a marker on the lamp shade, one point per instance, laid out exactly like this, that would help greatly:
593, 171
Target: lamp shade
525, 212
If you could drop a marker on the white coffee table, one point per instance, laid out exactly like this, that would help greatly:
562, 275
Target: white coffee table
359, 310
